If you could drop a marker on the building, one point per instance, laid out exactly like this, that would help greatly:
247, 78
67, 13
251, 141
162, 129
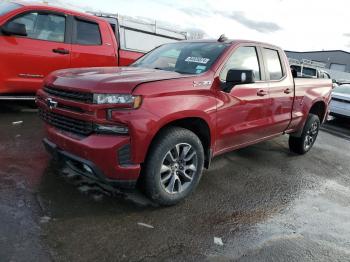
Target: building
335, 60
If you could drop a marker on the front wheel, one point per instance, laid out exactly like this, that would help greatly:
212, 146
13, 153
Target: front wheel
304, 143
174, 166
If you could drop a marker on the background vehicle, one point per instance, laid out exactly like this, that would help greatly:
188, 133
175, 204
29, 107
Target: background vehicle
174, 109
340, 103
309, 69
38, 39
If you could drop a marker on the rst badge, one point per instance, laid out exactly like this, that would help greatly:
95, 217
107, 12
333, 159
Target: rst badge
51, 103
202, 83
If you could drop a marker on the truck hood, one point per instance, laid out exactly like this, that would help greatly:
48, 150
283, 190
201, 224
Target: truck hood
107, 79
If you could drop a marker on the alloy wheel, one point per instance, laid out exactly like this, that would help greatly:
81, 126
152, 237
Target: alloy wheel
311, 135
178, 168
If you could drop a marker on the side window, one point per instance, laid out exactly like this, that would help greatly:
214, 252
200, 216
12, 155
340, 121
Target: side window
48, 27
309, 72
244, 58
87, 33
273, 64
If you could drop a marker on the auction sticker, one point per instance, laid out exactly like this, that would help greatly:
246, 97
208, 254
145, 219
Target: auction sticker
200, 60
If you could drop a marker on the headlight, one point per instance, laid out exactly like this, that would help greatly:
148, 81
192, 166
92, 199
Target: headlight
130, 100
111, 129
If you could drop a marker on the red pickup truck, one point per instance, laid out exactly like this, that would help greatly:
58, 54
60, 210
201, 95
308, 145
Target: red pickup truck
162, 119
37, 39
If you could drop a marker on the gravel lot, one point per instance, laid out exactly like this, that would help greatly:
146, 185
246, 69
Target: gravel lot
263, 202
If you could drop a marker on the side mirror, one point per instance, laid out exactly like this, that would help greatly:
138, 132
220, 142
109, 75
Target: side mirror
237, 76
294, 72
13, 28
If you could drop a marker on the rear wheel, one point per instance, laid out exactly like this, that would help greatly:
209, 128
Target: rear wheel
304, 143
174, 166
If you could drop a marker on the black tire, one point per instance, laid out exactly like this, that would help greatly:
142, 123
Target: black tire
165, 146
304, 143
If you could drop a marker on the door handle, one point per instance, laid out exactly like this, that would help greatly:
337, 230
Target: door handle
61, 51
261, 92
287, 91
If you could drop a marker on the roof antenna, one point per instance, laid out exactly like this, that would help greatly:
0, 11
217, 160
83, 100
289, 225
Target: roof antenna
222, 38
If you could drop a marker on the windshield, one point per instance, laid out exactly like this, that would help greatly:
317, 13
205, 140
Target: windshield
184, 58
6, 7
343, 89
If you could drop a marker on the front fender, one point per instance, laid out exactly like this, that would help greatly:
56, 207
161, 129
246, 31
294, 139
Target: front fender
160, 111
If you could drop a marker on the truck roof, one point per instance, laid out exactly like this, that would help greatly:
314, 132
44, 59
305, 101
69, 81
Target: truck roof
59, 9
232, 41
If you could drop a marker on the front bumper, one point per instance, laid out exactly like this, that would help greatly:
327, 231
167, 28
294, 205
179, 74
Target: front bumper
89, 162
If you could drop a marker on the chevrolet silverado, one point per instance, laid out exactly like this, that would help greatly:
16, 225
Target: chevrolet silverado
161, 120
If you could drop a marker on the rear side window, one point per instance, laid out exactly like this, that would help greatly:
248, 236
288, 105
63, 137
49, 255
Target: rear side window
273, 64
87, 33
244, 58
49, 27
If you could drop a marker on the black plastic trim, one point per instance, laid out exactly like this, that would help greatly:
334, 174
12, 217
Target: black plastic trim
61, 155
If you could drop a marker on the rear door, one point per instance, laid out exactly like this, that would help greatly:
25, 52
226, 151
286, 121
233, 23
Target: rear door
92, 44
281, 90
27, 60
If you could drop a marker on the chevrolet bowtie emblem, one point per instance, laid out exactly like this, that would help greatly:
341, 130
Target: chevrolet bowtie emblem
51, 103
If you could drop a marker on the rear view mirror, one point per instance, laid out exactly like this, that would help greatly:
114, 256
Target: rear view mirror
236, 77
12, 28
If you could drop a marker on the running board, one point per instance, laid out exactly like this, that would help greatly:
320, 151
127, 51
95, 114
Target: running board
17, 98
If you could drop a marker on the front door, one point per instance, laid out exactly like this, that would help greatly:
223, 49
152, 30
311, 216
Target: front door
26, 60
244, 113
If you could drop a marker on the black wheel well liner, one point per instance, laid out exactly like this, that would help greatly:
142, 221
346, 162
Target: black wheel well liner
319, 109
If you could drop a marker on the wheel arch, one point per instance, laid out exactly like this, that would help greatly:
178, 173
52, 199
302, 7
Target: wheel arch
197, 125
319, 108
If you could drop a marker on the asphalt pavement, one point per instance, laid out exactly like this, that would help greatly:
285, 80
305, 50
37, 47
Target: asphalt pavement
262, 202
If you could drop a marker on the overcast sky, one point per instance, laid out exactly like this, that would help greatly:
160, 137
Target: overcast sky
300, 25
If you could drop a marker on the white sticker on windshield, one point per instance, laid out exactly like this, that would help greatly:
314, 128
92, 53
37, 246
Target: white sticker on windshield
200, 60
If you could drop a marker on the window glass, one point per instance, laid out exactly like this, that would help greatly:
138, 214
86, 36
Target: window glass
309, 72
8, 7
182, 57
244, 58
48, 27
87, 33
273, 64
